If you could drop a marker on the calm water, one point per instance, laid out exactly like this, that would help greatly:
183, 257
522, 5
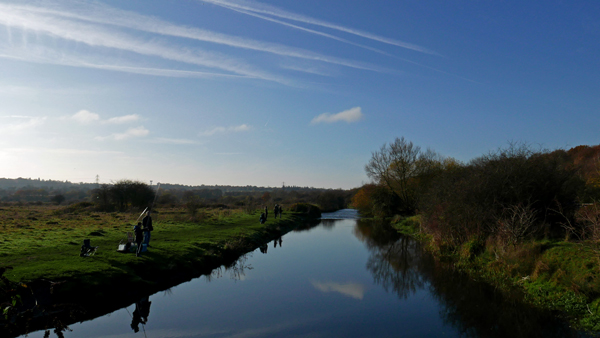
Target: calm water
342, 278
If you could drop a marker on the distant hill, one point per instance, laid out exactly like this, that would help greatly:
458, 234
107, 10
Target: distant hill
19, 183
29, 183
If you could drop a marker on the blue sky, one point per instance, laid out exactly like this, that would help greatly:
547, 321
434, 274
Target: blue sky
245, 92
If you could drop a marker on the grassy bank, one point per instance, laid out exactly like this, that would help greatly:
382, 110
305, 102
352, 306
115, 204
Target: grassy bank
42, 245
558, 275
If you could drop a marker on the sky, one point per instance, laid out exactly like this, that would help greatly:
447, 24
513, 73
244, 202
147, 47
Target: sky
272, 93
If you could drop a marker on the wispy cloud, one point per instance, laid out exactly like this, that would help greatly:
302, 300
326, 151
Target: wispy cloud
350, 115
43, 55
108, 15
175, 141
130, 133
312, 31
62, 151
21, 123
354, 290
87, 117
221, 130
306, 69
99, 36
246, 6
123, 119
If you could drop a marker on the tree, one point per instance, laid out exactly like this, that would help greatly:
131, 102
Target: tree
331, 200
124, 194
405, 170
266, 197
57, 199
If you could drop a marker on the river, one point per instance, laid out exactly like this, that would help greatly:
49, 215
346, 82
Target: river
344, 277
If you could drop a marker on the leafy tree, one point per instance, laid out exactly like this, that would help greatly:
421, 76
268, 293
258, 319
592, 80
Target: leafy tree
266, 197
58, 199
123, 195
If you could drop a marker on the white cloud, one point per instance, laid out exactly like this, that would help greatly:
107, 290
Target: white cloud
23, 123
123, 119
164, 140
131, 132
85, 117
221, 130
243, 127
354, 290
350, 115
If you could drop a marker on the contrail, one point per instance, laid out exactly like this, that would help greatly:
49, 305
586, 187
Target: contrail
95, 36
111, 16
251, 6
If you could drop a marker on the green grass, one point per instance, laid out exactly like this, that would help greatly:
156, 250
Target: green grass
556, 275
44, 242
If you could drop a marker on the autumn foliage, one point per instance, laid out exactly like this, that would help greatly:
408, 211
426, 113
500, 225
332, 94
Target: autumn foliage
509, 194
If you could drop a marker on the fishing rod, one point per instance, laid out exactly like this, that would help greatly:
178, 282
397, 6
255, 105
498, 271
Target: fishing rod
142, 214
151, 205
156, 195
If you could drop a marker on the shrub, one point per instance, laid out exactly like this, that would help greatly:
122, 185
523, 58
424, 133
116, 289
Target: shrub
307, 209
511, 192
331, 200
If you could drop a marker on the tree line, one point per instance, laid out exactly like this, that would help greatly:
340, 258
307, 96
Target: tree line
132, 195
507, 195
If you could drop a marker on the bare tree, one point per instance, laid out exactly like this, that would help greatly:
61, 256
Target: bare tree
588, 218
402, 167
516, 223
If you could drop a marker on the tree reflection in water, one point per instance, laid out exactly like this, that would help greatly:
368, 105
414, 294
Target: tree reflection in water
236, 270
476, 309
394, 259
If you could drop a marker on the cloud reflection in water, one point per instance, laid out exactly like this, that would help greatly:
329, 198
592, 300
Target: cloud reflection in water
354, 290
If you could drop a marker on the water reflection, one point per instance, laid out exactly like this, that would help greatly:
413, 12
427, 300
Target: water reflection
237, 269
345, 278
140, 314
277, 240
475, 309
353, 290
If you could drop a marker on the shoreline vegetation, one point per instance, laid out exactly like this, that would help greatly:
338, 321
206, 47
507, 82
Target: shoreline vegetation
519, 218
45, 284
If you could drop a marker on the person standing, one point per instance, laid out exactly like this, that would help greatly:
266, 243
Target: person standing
139, 238
266, 212
276, 210
147, 223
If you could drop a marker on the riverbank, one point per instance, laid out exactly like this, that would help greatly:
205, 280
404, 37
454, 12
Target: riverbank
42, 246
561, 276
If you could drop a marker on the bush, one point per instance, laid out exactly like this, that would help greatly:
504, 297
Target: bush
332, 200
510, 193
76, 208
310, 210
373, 200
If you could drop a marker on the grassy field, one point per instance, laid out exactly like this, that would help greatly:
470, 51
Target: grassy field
44, 242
